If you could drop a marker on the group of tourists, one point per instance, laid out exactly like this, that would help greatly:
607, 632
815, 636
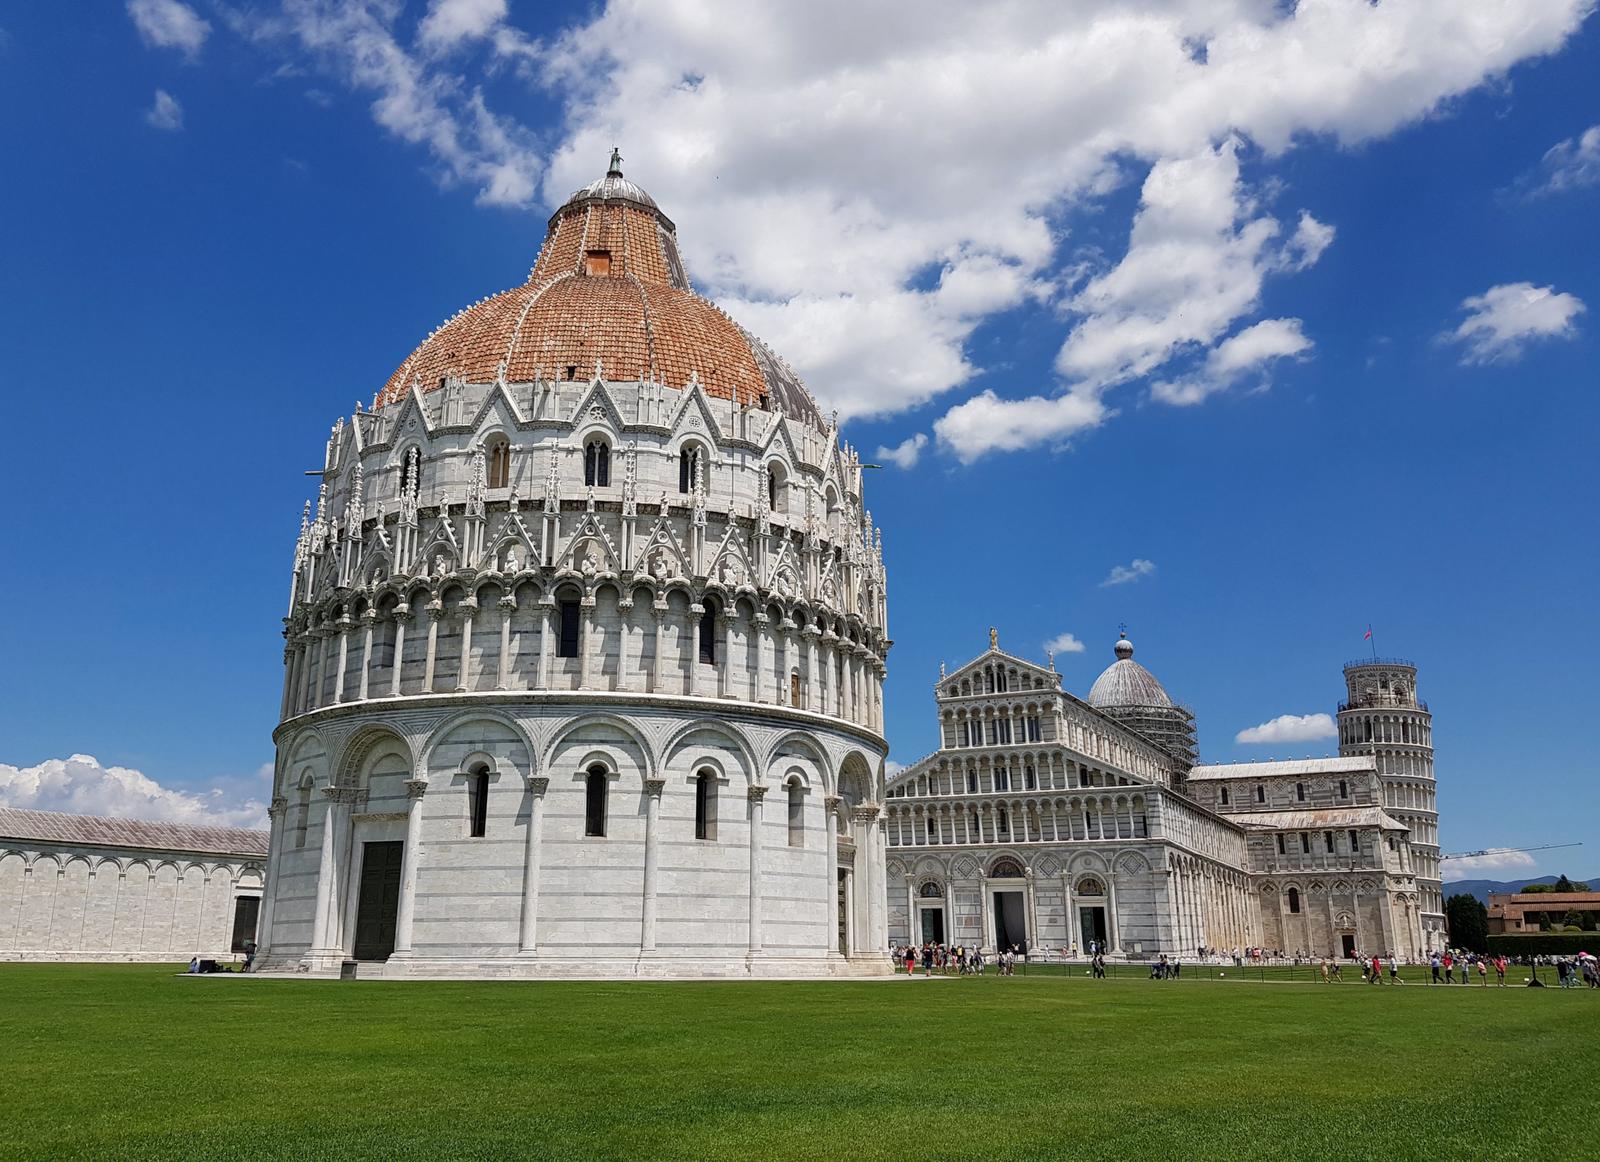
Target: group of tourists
957, 960
1570, 972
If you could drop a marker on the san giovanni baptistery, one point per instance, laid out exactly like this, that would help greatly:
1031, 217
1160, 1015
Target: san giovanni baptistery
585, 647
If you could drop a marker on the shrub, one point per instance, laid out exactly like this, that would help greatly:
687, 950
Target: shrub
1544, 944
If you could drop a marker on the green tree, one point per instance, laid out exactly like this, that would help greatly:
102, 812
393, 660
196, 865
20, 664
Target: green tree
1468, 921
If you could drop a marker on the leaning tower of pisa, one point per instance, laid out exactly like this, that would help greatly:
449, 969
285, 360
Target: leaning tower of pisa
1383, 717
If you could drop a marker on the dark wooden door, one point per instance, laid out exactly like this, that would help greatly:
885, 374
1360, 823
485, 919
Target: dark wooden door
379, 901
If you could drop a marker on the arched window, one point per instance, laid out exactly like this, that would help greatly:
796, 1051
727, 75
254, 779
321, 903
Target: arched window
1224, 796
478, 801
1261, 793
688, 466
777, 494
708, 634
1000, 682
1294, 901
595, 788
597, 464
499, 456
567, 645
705, 805
794, 689
302, 812
797, 814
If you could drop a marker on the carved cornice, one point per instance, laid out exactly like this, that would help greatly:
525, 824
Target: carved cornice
756, 792
654, 786
538, 784
416, 788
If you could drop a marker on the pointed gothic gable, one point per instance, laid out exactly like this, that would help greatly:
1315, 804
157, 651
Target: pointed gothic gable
692, 405
499, 404
412, 420
784, 574
599, 404
779, 438
730, 564
512, 531
662, 541
588, 539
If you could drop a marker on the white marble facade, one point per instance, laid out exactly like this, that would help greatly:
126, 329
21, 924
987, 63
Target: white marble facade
476, 612
1045, 822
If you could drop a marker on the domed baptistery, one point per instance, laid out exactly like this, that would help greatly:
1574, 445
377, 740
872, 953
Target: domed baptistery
585, 647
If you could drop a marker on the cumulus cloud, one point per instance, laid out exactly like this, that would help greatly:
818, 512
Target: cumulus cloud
1504, 319
1290, 728
166, 113
82, 786
1492, 860
1567, 165
1249, 351
865, 203
1064, 643
169, 24
452, 22
1132, 571
906, 453
415, 100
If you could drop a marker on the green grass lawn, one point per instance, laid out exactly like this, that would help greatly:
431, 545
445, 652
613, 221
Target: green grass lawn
130, 1062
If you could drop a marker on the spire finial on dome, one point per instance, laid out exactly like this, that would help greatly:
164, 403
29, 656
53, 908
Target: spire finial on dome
994, 638
616, 163
1124, 647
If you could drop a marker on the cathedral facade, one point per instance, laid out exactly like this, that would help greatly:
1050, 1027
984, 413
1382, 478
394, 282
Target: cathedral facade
1052, 822
585, 647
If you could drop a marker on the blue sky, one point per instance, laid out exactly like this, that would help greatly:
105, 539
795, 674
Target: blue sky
1296, 306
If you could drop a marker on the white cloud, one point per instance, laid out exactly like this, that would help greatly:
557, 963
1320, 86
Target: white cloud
1132, 571
169, 24
166, 113
906, 453
416, 101
452, 22
1064, 643
1252, 349
81, 785
1290, 728
866, 202
1567, 165
987, 423
1491, 861
1504, 318
891, 769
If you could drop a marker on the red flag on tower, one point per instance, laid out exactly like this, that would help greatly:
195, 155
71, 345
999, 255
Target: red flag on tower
1366, 637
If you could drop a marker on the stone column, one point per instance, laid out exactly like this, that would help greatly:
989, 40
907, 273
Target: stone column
397, 664
652, 841
692, 636
547, 611
527, 928
435, 616
658, 610
1113, 926
325, 919
275, 813
344, 655
469, 610
586, 645
723, 649
813, 683
985, 931
762, 667
913, 916
369, 616
507, 606
830, 811
756, 794
410, 860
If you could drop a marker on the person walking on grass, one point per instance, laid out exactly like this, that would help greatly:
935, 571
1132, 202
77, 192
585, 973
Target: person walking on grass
1483, 973
1337, 973
1434, 962
1449, 969
1394, 970
1322, 965
1500, 971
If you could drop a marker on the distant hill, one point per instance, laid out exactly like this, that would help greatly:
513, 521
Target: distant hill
1482, 888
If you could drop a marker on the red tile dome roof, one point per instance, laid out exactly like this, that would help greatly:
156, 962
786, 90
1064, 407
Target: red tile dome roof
608, 286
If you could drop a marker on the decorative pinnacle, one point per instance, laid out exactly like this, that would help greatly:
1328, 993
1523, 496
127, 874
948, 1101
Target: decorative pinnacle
615, 169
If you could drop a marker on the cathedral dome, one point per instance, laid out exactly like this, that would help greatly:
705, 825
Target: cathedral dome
1126, 683
608, 289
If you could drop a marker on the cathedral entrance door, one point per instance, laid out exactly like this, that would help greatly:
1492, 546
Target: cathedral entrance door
379, 901
1348, 939
932, 925
1010, 924
1092, 923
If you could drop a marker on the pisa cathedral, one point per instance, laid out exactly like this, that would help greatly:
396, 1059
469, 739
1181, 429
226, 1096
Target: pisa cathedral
1050, 821
583, 670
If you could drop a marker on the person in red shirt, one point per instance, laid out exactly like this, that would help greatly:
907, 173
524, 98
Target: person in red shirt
1449, 969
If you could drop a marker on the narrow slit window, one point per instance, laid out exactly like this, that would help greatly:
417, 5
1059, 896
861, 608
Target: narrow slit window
567, 647
705, 805
797, 814
594, 805
478, 803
